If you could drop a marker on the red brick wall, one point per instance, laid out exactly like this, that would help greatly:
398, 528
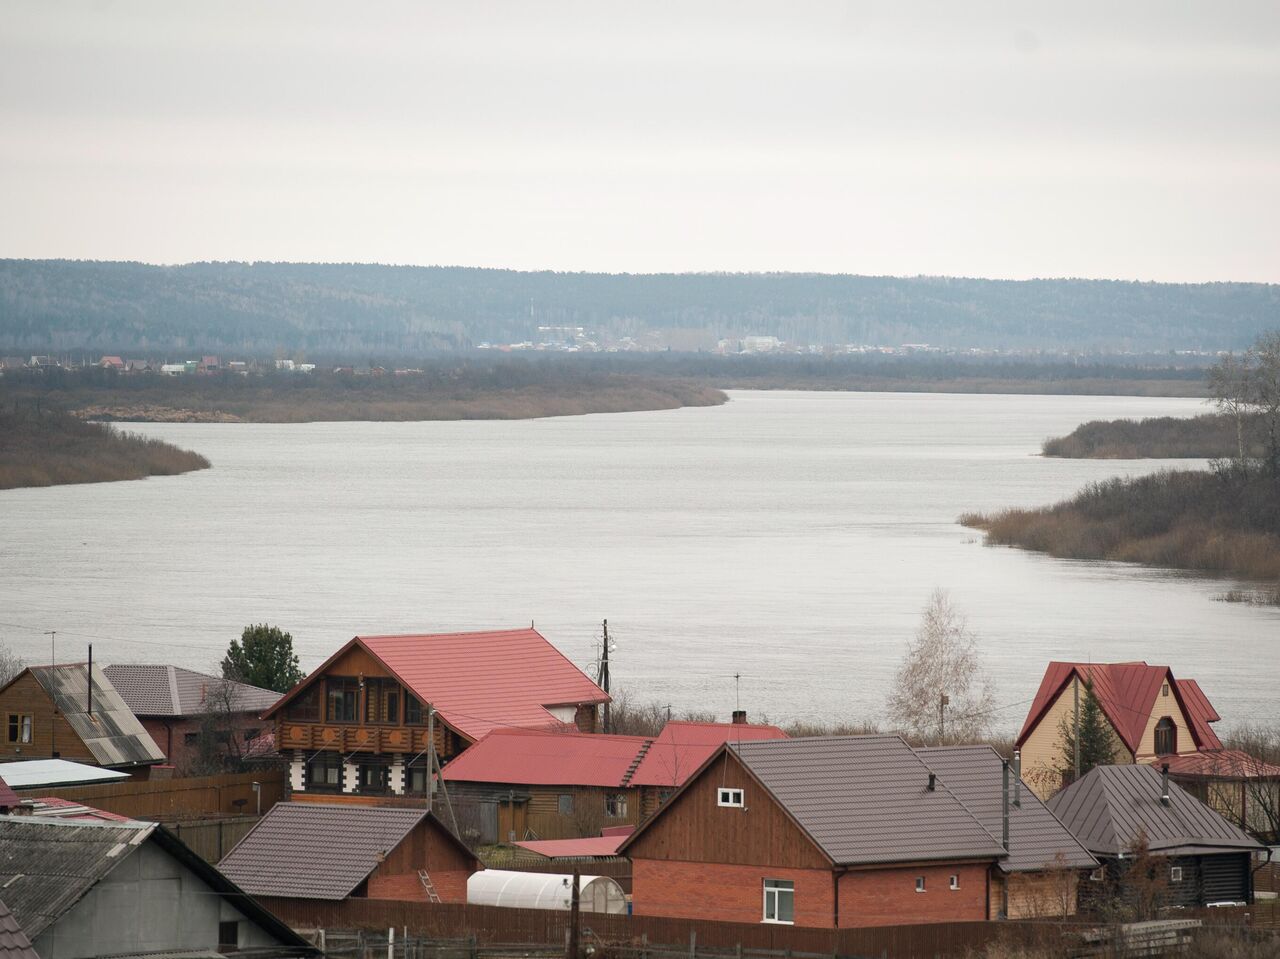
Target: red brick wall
695, 890
888, 897
450, 886
169, 732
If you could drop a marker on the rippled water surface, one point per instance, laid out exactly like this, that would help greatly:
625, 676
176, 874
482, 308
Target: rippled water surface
790, 538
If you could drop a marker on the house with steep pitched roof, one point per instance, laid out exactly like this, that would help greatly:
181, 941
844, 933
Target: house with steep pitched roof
548, 785
359, 724
317, 851
178, 707
1112, 808
71, 711
1153, 717
830, 831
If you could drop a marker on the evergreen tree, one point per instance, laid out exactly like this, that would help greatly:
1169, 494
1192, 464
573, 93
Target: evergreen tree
1097, 743
263, 656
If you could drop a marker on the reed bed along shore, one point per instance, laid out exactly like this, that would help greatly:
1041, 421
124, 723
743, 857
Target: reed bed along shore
1211, 436
50, 448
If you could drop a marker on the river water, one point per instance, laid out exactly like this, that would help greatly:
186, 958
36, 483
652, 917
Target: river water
789, 539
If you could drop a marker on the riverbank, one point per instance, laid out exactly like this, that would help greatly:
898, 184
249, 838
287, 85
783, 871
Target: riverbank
1191, 520
52, 448
1210, 436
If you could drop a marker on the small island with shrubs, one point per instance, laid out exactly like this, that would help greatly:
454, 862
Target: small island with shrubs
41, 447
1225, 519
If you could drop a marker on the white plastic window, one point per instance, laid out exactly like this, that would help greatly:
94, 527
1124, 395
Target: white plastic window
730, 797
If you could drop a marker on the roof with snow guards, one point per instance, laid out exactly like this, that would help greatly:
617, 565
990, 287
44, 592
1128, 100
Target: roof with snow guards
479, 681
158, 690
1110, 806
1036, 838
1127, 694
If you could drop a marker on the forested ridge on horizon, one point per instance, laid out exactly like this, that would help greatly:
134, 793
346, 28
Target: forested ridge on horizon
66, 304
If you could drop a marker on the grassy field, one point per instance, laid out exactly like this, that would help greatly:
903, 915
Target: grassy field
1195, 520
1211, 436
49, 448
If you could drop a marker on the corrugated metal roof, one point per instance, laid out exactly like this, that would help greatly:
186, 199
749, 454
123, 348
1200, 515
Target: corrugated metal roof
547, 759
975, 774
575, 848
39, 773
14, 943
46, 866
1221, 764
158, 690
318, 851
111, 732
1110, 806
480, 681
865, 799
1127, 694
53, 807
682, 747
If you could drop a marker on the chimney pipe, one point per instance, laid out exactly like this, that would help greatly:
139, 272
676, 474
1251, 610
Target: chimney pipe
90, 704
1164, 783
739, 717
1017, 778
933, 782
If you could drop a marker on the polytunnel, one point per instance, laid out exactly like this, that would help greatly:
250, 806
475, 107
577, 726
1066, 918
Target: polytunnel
543, 890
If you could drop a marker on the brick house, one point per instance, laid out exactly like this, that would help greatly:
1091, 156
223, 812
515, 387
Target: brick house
833, 831
315, 851
358, 726
71, 711
175, 706
547, 785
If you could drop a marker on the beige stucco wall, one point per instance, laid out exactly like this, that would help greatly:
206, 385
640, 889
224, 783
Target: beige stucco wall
1042, 751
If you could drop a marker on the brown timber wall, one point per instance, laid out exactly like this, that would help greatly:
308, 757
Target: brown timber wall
171, 800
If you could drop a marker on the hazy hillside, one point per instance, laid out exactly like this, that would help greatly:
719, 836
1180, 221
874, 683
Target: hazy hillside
58, 304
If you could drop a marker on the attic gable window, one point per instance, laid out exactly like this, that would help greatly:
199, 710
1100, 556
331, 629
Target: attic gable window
730, 797
19, 728
1166, 737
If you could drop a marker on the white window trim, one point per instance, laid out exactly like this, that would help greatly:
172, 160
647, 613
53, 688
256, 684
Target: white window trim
1175, 874
764, 905
920, 884
954, 883
736, 798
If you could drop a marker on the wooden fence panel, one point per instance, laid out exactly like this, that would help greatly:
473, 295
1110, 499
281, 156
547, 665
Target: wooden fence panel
171, 800
211, 839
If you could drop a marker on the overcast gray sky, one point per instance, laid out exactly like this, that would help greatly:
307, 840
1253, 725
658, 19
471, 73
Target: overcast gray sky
1128, 140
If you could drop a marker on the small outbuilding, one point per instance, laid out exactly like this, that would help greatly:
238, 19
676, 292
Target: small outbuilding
542, 890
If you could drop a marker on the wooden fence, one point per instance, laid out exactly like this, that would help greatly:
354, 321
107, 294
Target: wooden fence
211, 839
174, 800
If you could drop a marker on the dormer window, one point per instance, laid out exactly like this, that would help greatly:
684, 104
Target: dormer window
730, 797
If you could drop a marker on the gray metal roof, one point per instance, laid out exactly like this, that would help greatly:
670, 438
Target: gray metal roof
158, 690
46, 866
975, 775
112, 733
14, 943
1111, 805
316, 851
865, 799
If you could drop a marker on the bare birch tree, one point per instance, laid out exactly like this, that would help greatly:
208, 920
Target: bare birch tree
941, 691
10, 664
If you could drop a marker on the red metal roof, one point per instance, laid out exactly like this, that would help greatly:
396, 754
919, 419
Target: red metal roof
1221, 764
547, 759
682, 747
479, 681
575, 848
1127, 693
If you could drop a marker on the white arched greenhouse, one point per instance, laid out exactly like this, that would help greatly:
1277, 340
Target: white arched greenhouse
543, 890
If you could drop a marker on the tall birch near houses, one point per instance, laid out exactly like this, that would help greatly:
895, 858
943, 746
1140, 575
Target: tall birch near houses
941, 691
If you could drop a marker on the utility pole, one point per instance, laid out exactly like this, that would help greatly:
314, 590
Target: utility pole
431, 756
604, 677
575, 919
53, 720
1075, 689
943, 700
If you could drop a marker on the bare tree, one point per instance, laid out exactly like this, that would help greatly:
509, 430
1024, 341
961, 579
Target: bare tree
1248, 788
941, 691
1263, 392
10, 664
221, 747
1229, 385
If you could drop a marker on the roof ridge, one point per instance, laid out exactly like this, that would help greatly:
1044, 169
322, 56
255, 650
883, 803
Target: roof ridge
176, 703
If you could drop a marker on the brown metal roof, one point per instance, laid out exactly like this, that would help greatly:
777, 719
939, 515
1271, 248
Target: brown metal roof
158, 690
865, 799
1110, 806
111, 732
975, 775
318, 851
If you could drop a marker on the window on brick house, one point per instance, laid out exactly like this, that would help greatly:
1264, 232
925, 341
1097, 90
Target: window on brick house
190, 739
955, 882
779, 900
919, 883
20, 725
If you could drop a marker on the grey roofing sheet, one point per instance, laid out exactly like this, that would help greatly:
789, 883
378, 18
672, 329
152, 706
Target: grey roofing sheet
159, 690
1111, 805
975, 775
316, 851
46, 866
111, 732
14, 943
865, 799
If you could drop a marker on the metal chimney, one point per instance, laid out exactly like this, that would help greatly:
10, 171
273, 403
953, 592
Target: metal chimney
89, 704
1164, 783
933, 782
1017, 778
